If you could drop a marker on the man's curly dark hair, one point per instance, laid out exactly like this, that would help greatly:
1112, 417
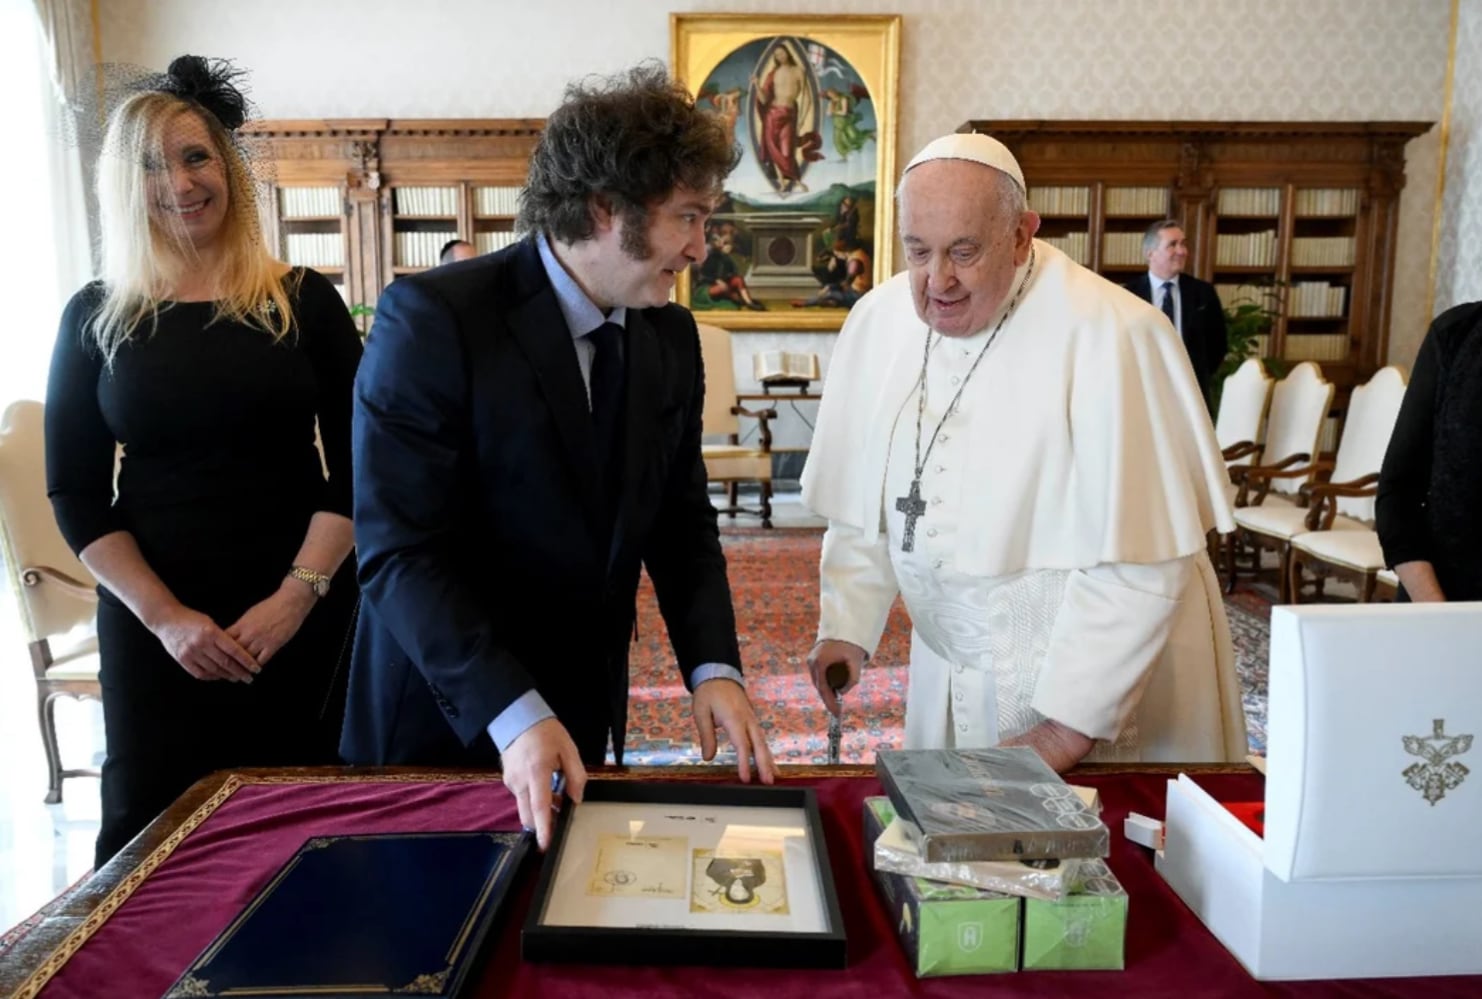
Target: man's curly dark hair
629, 139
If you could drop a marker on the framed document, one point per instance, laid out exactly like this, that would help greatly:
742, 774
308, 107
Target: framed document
677, 873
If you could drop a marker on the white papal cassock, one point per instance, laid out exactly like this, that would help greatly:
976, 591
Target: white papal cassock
1060, 570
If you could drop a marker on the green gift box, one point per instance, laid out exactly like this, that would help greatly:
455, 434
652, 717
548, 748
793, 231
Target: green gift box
945, 929
1083, 931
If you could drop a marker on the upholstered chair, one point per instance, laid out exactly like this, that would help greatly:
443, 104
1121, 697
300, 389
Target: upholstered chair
53, 590
1299, 404
729, 461
1337, 536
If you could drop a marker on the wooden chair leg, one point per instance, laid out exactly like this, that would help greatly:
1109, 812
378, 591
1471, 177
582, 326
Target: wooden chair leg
46, 715
733, 496
1283, 571
1366, 589
1230, 543
767, 503
1294, 576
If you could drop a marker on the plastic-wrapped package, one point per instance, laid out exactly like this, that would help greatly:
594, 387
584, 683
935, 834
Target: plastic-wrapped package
896, 851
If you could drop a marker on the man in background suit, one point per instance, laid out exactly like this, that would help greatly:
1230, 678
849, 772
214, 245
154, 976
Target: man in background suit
526, 435
1189, 303
455, 250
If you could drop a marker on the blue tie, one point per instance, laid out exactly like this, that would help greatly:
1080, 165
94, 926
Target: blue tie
1168, 303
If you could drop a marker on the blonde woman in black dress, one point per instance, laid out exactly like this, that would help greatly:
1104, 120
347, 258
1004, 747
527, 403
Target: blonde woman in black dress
225, 590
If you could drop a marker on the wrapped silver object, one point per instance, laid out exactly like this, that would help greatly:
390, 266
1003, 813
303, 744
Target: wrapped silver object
1048, 880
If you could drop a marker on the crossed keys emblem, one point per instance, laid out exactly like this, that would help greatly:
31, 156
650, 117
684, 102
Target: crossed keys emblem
1438, 773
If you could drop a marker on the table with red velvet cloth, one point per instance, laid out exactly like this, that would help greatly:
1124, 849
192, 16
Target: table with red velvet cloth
130, 929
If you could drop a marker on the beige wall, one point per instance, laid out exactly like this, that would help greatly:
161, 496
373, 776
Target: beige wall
1212, 59
1459, 256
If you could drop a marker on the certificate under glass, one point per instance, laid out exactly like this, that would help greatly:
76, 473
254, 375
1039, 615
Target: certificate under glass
638, 867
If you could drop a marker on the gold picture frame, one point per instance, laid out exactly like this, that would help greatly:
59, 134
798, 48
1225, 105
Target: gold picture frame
807, 221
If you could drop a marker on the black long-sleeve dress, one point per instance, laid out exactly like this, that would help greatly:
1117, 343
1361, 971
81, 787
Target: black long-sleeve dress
1429, 505
218, 480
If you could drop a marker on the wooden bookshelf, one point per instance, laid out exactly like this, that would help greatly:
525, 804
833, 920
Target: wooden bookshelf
367, 200
1309, 209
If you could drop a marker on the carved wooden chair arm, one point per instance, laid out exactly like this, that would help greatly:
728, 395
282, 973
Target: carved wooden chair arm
1240, 449
762, 418
1325, 496
1260, 476
1368, 485
35, 575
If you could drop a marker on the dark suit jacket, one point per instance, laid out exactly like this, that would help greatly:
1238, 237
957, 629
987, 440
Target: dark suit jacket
1204, 323
486, 564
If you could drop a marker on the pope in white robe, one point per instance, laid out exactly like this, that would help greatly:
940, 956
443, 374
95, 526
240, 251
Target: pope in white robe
1055, 567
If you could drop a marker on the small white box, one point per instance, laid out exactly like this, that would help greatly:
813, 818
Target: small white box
1369, 867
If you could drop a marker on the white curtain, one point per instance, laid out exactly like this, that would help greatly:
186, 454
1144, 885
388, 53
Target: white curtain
45, 49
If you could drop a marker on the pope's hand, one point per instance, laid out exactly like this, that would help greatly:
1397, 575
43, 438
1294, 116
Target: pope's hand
529, 761
723, 702
824, 655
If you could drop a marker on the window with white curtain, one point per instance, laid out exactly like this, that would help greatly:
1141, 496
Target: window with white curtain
44, 256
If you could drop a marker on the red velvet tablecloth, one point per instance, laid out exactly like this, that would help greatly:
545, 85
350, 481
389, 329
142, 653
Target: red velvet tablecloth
157, 922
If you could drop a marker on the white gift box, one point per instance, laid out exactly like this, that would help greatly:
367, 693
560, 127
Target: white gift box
1370, 866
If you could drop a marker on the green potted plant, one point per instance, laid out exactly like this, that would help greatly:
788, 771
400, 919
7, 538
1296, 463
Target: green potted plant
362, 314
1247, 319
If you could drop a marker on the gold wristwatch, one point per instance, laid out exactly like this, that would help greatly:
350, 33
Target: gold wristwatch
318, 581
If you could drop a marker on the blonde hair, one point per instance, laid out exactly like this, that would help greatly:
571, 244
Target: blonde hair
144, 255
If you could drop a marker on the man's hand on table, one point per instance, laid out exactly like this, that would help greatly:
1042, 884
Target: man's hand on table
529, 762
723, 702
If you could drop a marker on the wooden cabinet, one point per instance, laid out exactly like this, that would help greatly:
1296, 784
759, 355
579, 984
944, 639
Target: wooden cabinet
1304, 212
366, 200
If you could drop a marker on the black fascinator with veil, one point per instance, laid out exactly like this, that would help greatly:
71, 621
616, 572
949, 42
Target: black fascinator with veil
214, 84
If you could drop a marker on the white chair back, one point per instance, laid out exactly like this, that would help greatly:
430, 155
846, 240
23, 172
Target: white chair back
1299, 404
1372, 411
720, 382
1243, 400
29, 535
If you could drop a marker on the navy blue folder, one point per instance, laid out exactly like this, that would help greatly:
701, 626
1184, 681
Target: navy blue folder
354, 916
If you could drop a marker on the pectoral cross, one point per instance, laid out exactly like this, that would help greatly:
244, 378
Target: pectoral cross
914, 507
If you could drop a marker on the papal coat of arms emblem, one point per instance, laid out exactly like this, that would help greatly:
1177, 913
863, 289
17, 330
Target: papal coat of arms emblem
1437, 773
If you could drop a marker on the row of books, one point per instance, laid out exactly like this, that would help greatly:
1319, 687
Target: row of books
1137, 201
993, 864
314, 249
1146, 201
1328, 202
488, 242
1315, 300
1316, 347
1060, 200
1323, 251
1075, 245
1250, 201
419, 249
1309, 347
1245, 249
309, 202
1240, 294
426, 200
1122, 249
496, 200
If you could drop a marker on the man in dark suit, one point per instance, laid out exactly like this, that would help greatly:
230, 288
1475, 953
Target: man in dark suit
526, 435
1190, 304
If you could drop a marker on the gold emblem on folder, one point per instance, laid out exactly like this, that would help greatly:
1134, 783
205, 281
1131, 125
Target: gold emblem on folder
1438, 773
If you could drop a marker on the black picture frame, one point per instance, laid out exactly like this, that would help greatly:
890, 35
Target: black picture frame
668, 944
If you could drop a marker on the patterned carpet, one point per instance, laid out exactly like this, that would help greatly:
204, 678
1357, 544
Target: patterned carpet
774, 581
